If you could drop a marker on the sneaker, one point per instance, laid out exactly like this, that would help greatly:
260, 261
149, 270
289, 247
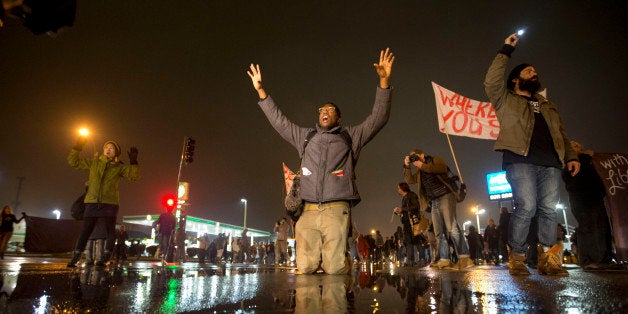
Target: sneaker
550, 262
517, 266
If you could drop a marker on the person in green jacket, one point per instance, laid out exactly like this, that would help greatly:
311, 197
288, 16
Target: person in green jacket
102, 198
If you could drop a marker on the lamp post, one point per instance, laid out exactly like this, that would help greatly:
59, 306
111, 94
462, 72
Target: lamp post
245, 202
564, 209
464, 225
57, 213
477, 213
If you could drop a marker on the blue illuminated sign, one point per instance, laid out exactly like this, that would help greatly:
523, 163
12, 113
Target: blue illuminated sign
498, 186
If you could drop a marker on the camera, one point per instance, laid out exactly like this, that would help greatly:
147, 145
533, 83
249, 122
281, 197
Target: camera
413, 158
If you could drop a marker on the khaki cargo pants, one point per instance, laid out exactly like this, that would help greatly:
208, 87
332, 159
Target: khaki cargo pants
322, 231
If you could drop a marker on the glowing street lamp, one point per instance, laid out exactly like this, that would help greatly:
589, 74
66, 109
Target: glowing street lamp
477, 211
57, 213
464, 225
245, 203
562, 207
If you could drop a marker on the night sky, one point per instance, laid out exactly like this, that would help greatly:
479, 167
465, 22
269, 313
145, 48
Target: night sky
149, 73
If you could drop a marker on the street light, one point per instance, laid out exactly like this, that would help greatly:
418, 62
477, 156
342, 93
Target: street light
57, 213
564, 209
245, 202
477, 213
464, 225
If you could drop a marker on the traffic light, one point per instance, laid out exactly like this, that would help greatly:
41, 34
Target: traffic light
189, 150
169, 201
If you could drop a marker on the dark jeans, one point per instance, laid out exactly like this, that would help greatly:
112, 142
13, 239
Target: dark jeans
411, 246
88, 226
164, 243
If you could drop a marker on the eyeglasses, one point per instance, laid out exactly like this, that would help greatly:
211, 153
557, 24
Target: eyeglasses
326, 109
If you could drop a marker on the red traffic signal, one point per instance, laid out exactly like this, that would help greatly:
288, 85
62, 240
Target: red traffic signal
169, 201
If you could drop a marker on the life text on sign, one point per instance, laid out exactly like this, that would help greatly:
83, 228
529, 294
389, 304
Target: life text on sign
617, 176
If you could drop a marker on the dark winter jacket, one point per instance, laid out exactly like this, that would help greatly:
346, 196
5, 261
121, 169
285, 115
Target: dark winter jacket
328, 164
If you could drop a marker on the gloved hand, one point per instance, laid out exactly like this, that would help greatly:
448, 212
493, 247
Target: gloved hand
80, 143
133, 155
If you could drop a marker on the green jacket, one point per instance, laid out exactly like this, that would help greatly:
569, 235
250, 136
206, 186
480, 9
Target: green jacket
516, 117
104, 176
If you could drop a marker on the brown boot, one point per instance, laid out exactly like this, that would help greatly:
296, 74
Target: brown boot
550, 263
444, 264
516, 265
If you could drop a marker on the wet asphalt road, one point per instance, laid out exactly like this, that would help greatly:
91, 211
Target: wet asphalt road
45, 285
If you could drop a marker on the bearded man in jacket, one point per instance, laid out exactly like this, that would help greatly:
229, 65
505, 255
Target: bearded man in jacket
535, 149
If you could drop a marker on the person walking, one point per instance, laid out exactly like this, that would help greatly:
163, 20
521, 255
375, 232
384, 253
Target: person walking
202, 248
102, 198
409, 209
281, 246
328, 180
586, 197
6, 228
535, 148
475, 244
121, 237
491, 237
165, 226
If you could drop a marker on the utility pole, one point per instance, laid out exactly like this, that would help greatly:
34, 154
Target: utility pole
187, 154
16, 204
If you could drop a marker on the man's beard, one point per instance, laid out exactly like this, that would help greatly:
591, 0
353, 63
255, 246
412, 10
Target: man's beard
531, 85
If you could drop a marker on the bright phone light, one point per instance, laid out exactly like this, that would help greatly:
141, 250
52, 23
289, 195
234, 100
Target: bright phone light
521, 32
83, 132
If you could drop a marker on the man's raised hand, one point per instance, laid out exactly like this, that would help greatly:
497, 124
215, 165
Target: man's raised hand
384, 67
256, 78
512, 40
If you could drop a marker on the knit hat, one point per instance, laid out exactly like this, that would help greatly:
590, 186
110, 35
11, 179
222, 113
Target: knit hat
118, 150
515, 74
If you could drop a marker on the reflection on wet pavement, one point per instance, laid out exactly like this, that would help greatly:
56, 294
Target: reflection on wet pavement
28, 285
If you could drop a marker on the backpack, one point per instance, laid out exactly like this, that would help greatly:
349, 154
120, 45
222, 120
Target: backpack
78, 207
452, 182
